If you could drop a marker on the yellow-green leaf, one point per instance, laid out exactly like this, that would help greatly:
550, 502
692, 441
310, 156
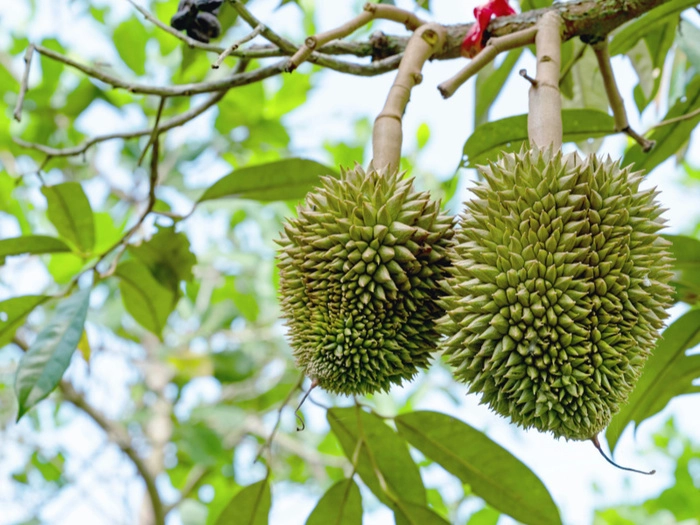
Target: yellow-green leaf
288, 179
493, 473
251, 506
70, 212
340, 505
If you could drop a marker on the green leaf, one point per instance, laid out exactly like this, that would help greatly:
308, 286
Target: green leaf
32, 244
168, 257
686, 267
412, 514
689, 42
340, 505
13, 313
130, 39
251, 506
669, 372
632, 32
70, 212
508, 134
493, 473
288, 179
669, 138
200, 443
489, 83
44, 364
485, 516
381, 447
148, 302
232, 366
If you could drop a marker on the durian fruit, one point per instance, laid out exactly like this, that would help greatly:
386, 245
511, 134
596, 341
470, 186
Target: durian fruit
558, 290
359, 269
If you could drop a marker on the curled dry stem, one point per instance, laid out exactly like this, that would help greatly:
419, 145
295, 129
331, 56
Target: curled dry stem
387, 136
493, 48
596, 444
614, 98
370, 12
544, 126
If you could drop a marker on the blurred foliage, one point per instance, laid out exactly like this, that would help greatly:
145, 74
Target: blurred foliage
161, 273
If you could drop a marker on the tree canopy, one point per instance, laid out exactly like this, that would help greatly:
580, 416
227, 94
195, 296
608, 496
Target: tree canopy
150, 154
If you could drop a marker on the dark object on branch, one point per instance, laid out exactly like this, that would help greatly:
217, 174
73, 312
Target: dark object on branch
198, 18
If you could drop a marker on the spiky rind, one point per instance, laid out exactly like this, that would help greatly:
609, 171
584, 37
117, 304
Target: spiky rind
359, 272
558, 290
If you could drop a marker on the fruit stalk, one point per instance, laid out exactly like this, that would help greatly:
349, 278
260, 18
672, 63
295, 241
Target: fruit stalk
544, 124
387, 136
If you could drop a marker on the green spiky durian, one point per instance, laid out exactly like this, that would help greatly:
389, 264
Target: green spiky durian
359, 269
558, 290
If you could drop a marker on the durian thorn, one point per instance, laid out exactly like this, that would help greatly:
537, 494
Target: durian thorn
596, 443
301, 426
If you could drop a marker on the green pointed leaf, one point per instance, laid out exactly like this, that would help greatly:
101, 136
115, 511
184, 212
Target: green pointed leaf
340, 505
632, 32
669, 138
493, 473
508, 134
669, 372
148, 301
44, 364
289, 179
130, 39
31, 244
250, 506
686, 267
412, 514
168, 257
381, 447
70, 212
13, 313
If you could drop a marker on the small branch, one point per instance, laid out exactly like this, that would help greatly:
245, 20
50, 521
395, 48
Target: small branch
169, 91
194, 478
124, 241
120, 436
544, 126
681, 118
116, 433
281, 42
230, 49
492, 49
387, 135
615, 99
370, 12
375, 68
24, 85
165, 126
154, 135
174, 32
268, 442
